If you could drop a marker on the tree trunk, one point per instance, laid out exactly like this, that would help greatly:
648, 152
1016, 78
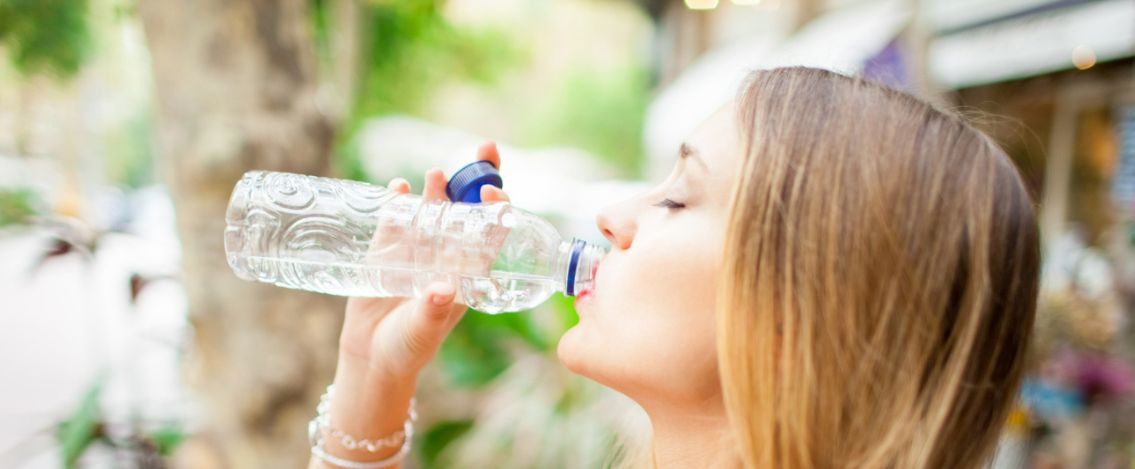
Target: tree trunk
236, 89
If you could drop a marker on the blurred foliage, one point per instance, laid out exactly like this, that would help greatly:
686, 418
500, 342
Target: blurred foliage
45, 36
167, 438
129, 157
87, 426
410, 49
437, 437
475, 351
481, 355
82, 428
17, 206
478, 349
601, 112
348, 161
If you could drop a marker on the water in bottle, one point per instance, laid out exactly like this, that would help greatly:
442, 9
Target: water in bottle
354, 239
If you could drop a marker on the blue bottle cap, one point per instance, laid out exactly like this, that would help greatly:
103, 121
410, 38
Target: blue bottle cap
465, 185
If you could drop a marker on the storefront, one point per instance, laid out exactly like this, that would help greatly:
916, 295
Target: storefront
1054, 82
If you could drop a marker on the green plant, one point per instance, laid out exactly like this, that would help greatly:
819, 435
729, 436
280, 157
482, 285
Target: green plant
17, 206
50, 36
86, 426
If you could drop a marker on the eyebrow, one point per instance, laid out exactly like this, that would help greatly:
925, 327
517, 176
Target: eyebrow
687, 150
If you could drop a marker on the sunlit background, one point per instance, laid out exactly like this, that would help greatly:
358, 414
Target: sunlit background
126, 341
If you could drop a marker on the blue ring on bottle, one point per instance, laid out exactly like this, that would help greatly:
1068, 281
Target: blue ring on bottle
576, 249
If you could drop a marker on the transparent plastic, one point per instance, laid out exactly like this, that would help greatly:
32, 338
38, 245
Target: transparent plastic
354, 239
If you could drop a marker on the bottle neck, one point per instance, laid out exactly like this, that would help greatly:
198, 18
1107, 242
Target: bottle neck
575, 266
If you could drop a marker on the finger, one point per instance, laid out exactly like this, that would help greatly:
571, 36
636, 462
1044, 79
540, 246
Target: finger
362, 317
388, 230
493, 194
388, 234
490, 194
434, 315
399, 184
435, 185
488, 152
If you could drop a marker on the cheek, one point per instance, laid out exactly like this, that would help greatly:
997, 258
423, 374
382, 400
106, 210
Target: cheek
652, 323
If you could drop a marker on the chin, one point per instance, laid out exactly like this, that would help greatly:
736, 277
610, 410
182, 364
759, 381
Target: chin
570, 350
584, 354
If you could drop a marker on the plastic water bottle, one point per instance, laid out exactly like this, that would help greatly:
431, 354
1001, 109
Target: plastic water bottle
354, 239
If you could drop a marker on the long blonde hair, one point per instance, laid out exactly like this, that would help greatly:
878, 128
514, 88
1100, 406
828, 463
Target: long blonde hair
879, 280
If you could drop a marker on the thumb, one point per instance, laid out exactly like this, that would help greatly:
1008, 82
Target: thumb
433, 316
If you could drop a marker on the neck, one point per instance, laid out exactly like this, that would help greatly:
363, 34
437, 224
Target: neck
687, 438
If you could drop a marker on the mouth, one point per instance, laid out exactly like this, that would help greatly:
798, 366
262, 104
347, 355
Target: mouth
589, 290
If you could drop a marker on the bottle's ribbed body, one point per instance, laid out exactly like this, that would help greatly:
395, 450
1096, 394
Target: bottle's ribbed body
354, 239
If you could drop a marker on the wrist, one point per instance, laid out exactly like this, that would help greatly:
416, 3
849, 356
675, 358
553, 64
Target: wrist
361, 379
328, 442
368, 403
376, 371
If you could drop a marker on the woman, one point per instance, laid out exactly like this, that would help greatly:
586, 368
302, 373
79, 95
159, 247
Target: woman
835, 274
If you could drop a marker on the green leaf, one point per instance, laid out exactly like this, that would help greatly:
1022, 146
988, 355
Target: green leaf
82, 428
167, 439
439, 436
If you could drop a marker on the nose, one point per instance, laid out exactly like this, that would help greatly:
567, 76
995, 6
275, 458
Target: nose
618, 224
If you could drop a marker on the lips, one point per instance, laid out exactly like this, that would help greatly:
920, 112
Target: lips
588, 291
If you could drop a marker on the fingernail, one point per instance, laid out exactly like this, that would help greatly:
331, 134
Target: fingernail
441, 296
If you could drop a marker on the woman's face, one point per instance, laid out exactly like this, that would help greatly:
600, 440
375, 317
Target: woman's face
648, 328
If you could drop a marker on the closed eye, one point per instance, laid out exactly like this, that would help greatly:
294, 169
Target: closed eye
667, 203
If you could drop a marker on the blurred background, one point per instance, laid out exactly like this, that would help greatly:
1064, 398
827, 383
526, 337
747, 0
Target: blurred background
126, 341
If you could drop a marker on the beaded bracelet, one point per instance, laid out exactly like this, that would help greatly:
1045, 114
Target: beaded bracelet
321, 424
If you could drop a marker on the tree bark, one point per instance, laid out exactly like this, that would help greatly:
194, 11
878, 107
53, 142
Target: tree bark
236, 89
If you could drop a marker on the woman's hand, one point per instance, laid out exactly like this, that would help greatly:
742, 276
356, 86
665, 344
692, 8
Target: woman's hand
385, 342
399, 336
